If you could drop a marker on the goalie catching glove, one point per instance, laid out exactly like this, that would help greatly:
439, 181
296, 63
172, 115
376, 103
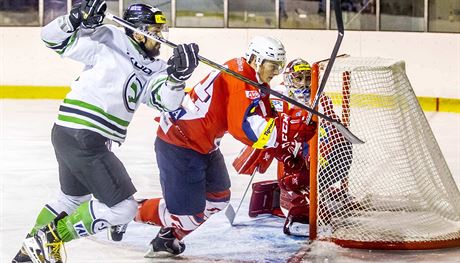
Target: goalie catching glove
88, 13
293, 132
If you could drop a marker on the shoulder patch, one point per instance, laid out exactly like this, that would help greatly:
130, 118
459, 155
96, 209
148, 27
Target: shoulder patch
278, 104
177, 114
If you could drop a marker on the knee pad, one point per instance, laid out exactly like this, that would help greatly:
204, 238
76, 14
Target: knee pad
290, 200
119, 214
265, 198
67, 203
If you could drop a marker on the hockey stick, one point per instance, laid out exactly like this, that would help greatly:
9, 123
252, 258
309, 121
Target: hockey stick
340, 29
230, 213
338, 56
347, 134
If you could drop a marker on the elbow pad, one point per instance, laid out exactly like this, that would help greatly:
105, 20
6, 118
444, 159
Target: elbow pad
171, 96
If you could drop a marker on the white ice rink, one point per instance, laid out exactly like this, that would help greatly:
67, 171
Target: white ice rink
28, 179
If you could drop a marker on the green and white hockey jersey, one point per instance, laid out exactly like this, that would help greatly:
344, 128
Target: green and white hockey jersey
116, 79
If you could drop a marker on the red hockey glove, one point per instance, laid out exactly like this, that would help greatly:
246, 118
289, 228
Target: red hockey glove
250, 158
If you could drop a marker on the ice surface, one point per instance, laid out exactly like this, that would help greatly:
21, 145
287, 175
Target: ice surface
28, 179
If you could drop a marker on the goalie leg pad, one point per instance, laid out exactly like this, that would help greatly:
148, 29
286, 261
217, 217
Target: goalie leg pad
294, 203
297, 214
295, 181
265, 198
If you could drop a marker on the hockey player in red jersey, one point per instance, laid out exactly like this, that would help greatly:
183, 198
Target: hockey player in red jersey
193, 175
290, 192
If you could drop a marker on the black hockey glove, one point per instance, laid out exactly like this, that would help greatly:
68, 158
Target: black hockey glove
183, 62
93, 13
88, 13
75, 17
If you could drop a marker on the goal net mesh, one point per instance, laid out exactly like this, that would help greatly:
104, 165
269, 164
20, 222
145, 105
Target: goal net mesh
395, 190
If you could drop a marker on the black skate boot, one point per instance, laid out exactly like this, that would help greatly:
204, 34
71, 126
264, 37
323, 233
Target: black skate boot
21, 256
45, 245
115, 233
165, 241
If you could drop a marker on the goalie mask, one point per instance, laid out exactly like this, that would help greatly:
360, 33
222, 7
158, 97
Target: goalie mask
297, 79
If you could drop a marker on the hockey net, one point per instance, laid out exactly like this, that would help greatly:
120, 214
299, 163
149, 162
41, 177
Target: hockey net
396, 190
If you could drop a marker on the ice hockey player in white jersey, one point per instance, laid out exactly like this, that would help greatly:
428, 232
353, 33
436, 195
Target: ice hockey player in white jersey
121, 72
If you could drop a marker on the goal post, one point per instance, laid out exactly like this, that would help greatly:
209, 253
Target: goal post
396, 190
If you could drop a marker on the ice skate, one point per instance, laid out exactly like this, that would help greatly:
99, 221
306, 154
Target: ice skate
115, 233
22, 257
165, 244
45, 245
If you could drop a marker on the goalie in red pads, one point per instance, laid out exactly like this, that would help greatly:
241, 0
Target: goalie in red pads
288, 196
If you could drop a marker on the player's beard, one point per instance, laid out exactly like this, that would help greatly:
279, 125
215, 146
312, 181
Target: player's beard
153, 53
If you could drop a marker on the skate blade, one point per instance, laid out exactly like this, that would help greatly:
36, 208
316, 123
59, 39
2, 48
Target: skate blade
230, 214
33, 250
300, 230
158, 254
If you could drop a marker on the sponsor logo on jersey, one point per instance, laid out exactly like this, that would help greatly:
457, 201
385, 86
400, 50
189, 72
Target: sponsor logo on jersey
141, 67
269, 128
284, 127
132, 92
252, 94
80, 229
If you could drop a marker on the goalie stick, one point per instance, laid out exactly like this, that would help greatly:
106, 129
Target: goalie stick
347, 133
230, 213
340, 29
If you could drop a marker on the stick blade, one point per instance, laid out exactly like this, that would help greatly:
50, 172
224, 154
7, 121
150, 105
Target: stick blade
230, 214
347, 133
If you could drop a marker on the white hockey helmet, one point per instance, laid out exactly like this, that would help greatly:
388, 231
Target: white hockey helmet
266, 48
